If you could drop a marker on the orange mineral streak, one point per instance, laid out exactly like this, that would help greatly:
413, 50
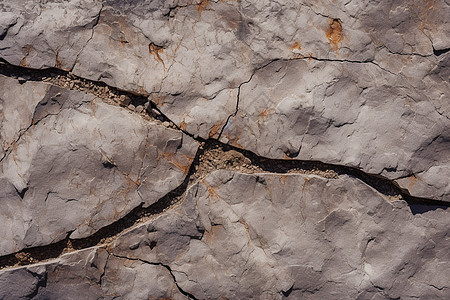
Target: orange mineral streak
304, 185
202, 6
264, 113
426, 12
296, 46
334, 33
156, 50
169, 157
411, 183
58, 63
215, 130
234, 143
23, 62
211, 190
183, 125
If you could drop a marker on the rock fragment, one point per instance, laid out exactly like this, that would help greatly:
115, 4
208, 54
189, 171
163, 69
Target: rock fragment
79, 164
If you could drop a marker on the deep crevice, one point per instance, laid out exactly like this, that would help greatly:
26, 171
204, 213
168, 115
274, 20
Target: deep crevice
54, 250
68, 80
380, 183
22, 192
440, 51
281, 166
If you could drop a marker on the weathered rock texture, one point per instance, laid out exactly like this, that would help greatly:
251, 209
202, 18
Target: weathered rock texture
79, 164
224, 149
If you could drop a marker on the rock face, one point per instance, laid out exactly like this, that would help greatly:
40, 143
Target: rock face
336, 238
356, 114
79, 164
224, 149
79, 275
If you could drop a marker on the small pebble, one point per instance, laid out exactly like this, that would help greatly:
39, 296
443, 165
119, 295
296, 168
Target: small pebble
139, 108
165, 123
125, 100
131, 106
155, 112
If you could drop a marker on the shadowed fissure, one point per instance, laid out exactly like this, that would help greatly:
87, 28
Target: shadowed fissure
211, 155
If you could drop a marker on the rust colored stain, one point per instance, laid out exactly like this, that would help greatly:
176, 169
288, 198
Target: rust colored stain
247, 230
411, 183
211, 190
202, 6
58, 63
296, 46
334, 33
156, 50
215, 130
183, 168
263, 114
429, 5
183, 125
426, 12
23, 62
157, 99
234, 143
304, 185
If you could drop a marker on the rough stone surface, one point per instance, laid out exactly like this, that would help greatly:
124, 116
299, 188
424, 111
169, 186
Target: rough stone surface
209, 149
355, 114
79, 164
194, 74
42, 34
335, 238
89, 274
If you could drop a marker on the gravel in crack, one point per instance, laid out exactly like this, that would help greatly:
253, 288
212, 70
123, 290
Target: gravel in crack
217, 157
139, 104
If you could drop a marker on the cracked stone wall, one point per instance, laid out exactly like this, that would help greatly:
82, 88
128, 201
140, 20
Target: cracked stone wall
229, 149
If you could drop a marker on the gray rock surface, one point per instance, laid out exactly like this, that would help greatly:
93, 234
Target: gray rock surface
353, 114
42, 34
89, 274
79, 164
209, 149
192, 56
305, 236
299, 236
